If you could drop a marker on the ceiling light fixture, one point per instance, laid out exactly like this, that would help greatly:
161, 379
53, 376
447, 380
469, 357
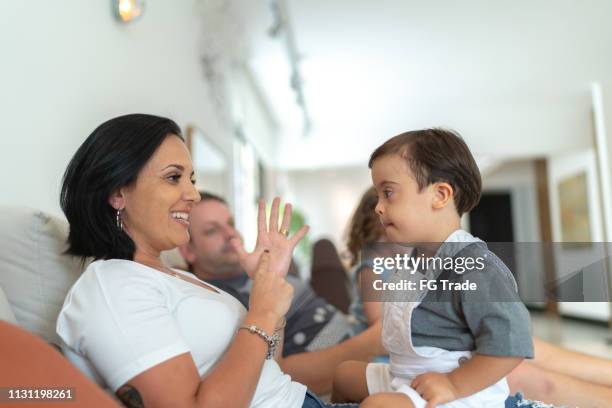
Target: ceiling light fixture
128, 10
282, 27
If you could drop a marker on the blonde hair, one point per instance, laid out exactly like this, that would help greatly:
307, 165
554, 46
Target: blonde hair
364, 227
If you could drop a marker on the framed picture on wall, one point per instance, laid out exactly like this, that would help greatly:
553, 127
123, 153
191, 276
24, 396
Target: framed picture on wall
574, 209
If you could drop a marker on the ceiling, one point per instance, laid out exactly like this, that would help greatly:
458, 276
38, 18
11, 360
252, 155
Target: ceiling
513, 77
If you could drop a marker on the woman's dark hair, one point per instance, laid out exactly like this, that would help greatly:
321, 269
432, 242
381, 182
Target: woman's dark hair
365, 227
438, 155
110, 158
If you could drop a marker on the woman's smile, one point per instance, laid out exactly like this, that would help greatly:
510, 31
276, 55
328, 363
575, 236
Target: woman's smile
182, 217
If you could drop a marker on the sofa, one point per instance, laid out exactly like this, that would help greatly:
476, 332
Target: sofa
35, 275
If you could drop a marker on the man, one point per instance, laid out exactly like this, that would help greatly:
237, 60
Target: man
315, 330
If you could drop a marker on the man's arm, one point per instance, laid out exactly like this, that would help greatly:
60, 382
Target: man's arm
316, 369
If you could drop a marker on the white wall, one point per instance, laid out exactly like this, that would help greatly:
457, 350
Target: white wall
68, 66
327, 197
602, 118
250, 112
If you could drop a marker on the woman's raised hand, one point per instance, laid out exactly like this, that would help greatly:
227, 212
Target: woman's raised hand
271, 294
272, 238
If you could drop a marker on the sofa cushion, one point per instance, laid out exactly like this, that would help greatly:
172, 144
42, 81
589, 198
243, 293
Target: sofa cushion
173, 259
6, 312
27, 362
35, 274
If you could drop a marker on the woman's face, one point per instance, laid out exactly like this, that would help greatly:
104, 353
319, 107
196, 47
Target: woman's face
157, 206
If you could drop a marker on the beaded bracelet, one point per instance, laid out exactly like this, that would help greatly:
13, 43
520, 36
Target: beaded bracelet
272, 341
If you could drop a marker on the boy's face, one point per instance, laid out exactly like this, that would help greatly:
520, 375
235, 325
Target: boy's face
404, 209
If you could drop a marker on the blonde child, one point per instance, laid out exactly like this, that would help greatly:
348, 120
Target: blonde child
364, 230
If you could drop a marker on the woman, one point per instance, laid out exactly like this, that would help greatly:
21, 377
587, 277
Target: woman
156, 336
556, 375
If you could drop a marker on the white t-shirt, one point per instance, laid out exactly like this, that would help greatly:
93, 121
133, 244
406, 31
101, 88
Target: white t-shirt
121, 318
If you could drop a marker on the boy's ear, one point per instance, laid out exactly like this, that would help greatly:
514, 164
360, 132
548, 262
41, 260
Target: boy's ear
117, 200
443, 194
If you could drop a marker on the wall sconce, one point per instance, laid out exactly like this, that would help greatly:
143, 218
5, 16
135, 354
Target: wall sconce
128, 10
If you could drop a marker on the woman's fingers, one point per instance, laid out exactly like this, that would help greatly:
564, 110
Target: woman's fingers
286, 224
264, 264
261, 218
417, 385
299, 235
274, 215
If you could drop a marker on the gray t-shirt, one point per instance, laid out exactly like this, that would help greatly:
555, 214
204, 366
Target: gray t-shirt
490, 321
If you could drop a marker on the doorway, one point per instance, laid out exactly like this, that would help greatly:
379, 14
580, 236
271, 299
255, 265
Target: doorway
491, 220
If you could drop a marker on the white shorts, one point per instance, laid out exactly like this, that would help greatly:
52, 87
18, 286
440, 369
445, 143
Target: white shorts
380, 379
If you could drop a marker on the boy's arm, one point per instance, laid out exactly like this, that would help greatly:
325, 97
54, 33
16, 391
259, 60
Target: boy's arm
471, 377
480, 372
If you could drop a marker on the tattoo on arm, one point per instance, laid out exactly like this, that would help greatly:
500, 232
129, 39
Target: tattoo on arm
130, 396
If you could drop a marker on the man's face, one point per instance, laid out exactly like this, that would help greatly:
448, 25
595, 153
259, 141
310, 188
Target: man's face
210, 251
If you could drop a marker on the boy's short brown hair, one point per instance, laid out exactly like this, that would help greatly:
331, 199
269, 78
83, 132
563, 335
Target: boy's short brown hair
438, 155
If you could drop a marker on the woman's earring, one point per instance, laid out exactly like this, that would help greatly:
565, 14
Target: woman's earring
119, 221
